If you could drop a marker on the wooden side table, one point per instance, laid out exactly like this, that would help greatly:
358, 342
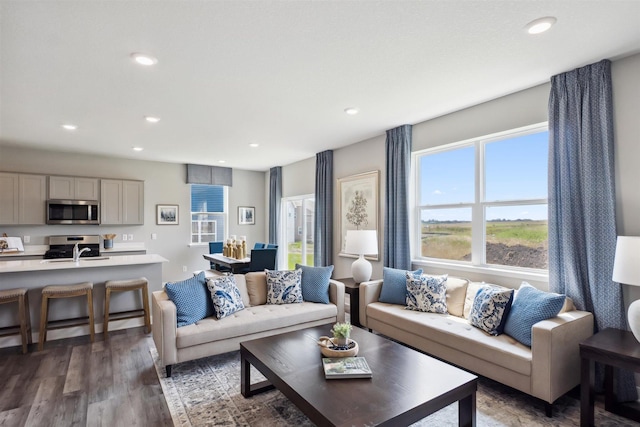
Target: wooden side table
614, 349
353, 289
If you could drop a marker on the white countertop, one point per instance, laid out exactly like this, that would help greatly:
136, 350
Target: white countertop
30, 250
14, 266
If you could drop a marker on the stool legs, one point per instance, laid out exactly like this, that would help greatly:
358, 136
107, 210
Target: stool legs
145, 305
44, 312
107, 299
112, 286
25, 322
92, 329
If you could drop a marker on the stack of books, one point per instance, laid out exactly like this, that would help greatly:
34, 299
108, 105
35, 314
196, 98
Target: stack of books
346, 367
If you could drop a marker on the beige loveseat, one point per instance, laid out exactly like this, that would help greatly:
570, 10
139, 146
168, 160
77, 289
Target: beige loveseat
211, 336
547, 370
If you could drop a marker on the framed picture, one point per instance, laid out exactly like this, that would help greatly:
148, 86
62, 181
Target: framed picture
246, 215
167, 214
358, 206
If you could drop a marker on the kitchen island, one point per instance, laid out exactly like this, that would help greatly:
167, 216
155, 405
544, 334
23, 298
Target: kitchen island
36, 274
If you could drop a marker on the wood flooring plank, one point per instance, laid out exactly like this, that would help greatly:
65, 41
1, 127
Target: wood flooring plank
16, 417
100, 376
77, 373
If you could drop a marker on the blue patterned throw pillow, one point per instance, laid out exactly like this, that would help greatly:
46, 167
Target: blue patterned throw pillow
191, 298
490, 309
315, 283
426, 293
530, 307
225, 295
394, 285
284, 287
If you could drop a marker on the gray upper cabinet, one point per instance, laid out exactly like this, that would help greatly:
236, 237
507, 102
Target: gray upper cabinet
121, 202
22, 198
73, 188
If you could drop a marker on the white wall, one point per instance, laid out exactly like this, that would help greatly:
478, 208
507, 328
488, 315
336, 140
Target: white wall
164, 183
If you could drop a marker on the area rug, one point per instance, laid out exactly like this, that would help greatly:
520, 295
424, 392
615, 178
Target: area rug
206, 392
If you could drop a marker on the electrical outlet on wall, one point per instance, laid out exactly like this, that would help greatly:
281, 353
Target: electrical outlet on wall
124, 237
27, 239
131, 237
184, 268
154, 236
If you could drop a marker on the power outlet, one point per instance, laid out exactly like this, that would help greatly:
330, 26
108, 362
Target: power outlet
184, 268
124, 237
154, 236
131, 237
27, 239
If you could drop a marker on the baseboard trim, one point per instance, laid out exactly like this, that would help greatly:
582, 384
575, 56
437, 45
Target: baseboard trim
75, 331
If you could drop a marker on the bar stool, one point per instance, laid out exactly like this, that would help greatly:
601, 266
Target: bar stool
123, 286
65, 291
20, 296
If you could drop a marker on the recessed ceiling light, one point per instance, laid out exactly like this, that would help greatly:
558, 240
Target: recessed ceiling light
351, 111
254, 145
138, 148
144, 59
152, 119
222, 161
540, 25
69, 126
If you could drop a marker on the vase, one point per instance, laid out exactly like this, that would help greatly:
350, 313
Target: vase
341, 342
108, 243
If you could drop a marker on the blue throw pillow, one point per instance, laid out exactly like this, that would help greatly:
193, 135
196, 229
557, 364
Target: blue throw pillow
315, 283
530, 307
225, 295
490, 309
394, 285
192, 299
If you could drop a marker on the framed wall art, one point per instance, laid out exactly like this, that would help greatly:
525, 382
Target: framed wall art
167, 214
358, 206
246, 215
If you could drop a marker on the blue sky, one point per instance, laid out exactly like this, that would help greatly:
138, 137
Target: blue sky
516, 168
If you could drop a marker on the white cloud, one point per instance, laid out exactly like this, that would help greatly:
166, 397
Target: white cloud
438, 192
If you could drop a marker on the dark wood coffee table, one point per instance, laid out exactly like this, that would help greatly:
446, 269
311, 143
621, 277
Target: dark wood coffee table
406, 385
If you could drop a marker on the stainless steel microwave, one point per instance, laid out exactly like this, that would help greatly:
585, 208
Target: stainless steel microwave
73, 212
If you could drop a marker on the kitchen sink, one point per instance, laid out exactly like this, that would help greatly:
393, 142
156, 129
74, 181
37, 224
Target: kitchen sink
97, 258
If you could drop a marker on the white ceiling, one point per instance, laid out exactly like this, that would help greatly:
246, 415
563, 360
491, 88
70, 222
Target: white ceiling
276, 73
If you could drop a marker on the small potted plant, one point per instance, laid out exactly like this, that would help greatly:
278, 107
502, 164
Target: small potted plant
341, 332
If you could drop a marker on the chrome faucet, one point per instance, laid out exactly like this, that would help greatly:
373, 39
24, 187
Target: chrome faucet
77, 252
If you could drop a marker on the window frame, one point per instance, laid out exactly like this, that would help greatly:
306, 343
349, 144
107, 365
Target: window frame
224, 214
284, 254
478, 208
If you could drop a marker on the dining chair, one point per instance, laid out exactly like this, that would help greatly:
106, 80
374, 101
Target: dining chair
262, 259
216, 248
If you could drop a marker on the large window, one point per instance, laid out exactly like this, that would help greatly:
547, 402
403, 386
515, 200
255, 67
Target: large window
208, 213
299, 213
484, 201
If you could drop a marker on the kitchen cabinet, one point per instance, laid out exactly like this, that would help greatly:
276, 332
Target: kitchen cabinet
22, 198
121, 202
73, 188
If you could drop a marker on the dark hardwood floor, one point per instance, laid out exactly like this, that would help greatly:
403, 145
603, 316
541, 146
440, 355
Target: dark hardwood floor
76, 383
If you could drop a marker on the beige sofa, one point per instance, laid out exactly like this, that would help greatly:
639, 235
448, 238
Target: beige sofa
212, 336
547, 370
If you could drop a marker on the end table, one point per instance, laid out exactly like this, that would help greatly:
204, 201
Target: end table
353, 289
614, 349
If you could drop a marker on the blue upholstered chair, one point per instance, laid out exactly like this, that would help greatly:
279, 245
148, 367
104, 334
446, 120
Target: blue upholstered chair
262, 259
259, 245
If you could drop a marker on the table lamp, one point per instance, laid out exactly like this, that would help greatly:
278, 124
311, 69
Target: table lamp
626, 270
361, 243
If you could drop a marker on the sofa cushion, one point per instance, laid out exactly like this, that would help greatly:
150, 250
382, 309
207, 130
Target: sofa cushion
284, 286
456, 292
256, 287
394, 285
491, 308
453, 332
225, 295
191, 298
529, 307
254, 320
315, 283
472, 291
426, 293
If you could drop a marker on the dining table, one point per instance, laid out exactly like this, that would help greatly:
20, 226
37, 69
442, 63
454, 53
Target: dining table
233, 264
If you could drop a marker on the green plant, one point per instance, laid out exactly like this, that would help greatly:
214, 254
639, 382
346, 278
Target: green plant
341, 330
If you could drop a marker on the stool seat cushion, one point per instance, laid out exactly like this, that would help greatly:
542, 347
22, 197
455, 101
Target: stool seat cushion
12, 293
117, 284
63, 289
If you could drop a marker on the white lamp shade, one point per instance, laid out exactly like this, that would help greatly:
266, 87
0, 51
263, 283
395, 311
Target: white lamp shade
626, 265
361, 242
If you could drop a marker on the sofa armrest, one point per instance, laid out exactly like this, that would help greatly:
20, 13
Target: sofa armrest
555, 365
336, 296
369, 292
165, 325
